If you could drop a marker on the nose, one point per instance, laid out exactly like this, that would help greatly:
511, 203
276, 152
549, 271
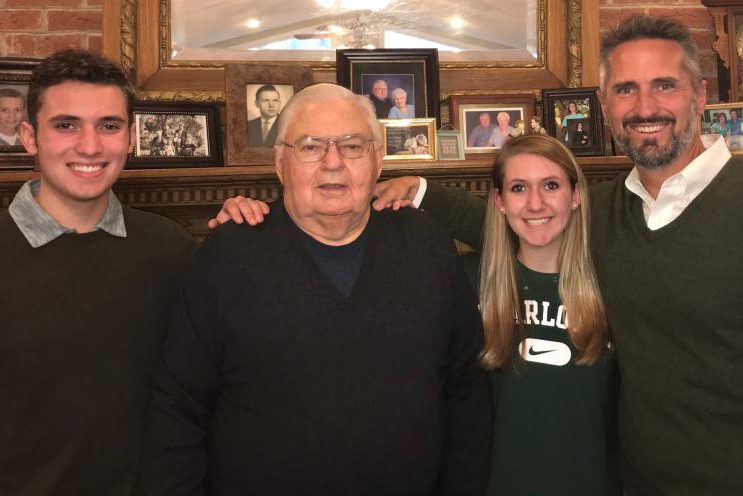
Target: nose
89, 142
534, 200
646, 104
332, 159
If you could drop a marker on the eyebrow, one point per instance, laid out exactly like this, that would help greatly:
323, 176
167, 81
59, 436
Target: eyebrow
69, 117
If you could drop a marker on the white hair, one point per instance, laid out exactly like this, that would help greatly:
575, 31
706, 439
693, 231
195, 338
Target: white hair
326, 92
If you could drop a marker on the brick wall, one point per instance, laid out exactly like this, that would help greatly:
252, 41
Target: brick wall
36, 28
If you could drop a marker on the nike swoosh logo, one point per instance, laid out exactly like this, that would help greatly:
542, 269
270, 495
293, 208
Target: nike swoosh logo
534, 352
545, 351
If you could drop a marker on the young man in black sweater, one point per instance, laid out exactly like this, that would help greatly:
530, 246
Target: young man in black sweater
87, 289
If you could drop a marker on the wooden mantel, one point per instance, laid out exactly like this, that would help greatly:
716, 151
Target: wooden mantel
193, 195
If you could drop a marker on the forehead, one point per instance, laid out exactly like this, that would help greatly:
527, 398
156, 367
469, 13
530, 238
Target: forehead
531, 167
646, 60
11, 101
84, 100
328, 118
268, 95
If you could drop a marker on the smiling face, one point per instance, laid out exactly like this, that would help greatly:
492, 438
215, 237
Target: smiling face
400, 98
538, 201
503, 120
485, 120
333, 191
379, 89
652, 105
81, 141
269, 103
11, 114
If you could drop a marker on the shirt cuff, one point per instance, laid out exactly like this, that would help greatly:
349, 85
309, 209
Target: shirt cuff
423, 184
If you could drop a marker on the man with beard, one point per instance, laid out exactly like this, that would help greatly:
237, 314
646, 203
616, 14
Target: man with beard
666, 248
382, 102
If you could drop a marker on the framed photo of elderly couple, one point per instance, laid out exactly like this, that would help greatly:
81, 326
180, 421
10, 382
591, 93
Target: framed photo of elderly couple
723, 120
15, 74
402, 84
487, 122
573, 115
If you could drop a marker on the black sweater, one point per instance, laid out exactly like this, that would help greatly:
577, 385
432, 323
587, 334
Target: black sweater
273, 383
82, 318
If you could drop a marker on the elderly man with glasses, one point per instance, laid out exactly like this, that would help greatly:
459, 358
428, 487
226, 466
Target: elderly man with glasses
304, 356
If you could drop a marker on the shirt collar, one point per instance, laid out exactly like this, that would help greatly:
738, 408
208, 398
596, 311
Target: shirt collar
39, 228
693, 178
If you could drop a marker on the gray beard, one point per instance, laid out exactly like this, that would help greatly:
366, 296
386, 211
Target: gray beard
648, 155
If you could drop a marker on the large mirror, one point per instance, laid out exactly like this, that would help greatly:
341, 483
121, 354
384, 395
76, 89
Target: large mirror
177, 49
311, 30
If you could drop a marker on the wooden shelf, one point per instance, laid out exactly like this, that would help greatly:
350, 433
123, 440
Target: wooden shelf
192, 195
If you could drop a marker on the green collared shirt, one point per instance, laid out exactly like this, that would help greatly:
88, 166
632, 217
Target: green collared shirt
39, 228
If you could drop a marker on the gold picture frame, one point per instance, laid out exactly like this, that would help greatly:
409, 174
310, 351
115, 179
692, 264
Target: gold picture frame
409, 139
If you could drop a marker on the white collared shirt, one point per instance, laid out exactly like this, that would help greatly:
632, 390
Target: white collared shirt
679, 190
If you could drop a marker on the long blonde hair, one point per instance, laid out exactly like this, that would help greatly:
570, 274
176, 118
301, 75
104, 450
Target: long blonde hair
500, 300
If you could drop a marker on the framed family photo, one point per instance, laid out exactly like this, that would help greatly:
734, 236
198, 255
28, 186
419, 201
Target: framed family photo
401, 83
409, 139
573, 115
487, 122
15, 74
255, 95
176, 135
723, 120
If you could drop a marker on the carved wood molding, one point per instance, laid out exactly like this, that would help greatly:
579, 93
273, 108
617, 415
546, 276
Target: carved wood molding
575, 53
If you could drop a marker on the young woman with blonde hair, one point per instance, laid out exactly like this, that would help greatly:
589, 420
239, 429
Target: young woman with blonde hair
545, 328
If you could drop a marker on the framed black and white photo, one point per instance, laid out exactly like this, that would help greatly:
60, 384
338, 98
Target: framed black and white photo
255, 95
15, 74
487, 122
573, 115
401, 83
172, 134
409, 139
723, 120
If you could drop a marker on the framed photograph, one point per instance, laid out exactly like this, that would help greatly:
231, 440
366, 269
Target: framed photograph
255, 95
486, 122
449, 145
723, 120
15, 74
402, 84
409, 139
171, 134
573, 115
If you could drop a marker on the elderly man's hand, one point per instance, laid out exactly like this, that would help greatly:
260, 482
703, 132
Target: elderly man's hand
396, 193
239, 209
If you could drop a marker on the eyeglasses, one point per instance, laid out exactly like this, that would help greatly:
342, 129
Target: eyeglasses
314, 149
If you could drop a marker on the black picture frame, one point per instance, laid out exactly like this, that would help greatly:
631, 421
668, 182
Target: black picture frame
557, 104
16, 72
415, 70
176, 134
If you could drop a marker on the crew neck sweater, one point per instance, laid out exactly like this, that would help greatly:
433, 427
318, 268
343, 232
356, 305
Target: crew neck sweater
82, 318
273, 382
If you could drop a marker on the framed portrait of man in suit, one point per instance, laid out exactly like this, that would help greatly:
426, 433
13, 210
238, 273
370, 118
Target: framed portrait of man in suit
264, 104
255, 95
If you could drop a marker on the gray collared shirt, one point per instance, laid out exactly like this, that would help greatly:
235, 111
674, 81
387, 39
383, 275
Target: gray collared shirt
39, 228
